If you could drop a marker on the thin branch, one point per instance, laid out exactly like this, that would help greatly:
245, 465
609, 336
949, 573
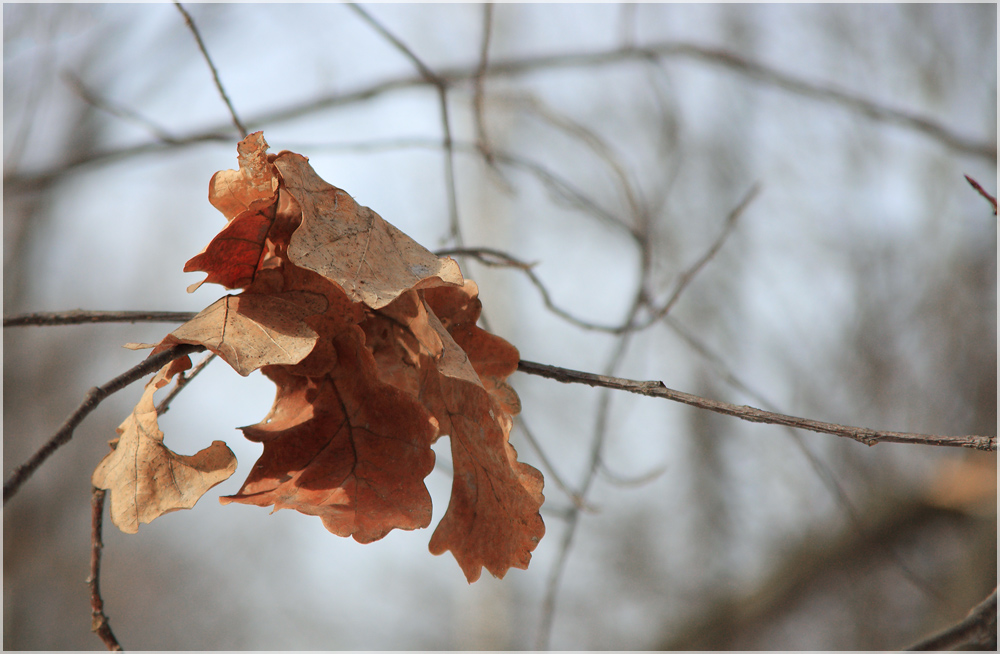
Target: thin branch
908, 120
479, 85
425, 71
78, 317
441, 84
989, 198
124, 113
98, 621
650, 388
215, 73
761, 73
750, 414
496, 258
977, 631
685, 278
93, 398
553, 474
182, 381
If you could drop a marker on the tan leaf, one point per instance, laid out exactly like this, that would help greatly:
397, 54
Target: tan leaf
252, 330
146, 479
234, 191
352, 245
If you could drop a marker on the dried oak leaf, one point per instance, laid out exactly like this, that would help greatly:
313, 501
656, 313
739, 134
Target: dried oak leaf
147, 479
252, 330
352, 245
459, 374
346, 447
248, 197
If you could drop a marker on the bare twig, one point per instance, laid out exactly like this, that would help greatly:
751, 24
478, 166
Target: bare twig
78, 317
685, 278
182, 381
493, 257
215, 73
769, 76
989, 198
479, 86
650, 388
748, 413
98, 621
124, 113
441, 84
553, 474
94, 397
978, 630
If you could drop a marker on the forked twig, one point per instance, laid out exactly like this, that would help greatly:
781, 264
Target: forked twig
99, 621
182, 381
93, 398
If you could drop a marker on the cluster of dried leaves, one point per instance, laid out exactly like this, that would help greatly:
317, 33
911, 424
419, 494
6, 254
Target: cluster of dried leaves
373, 345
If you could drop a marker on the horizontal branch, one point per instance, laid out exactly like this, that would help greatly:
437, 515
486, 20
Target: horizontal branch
650, 388
80, 317
94, 397
658, 389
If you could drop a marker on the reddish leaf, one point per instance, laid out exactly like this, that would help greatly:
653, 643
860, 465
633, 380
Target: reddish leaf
248, 197
346, 447
492, 519
233, 256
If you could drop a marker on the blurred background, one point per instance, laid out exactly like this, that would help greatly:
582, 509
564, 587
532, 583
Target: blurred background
607, 145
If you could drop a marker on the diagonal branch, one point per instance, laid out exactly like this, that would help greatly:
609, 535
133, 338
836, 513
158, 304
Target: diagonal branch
978, 630
215, 73
748, 413
983, 192
441, 84
94, 397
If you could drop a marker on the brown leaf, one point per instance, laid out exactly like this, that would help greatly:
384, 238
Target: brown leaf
233, 256
146, 479
373, 345
346, 447
352, 245
235, 191
252, 330
493, 517
248, 197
